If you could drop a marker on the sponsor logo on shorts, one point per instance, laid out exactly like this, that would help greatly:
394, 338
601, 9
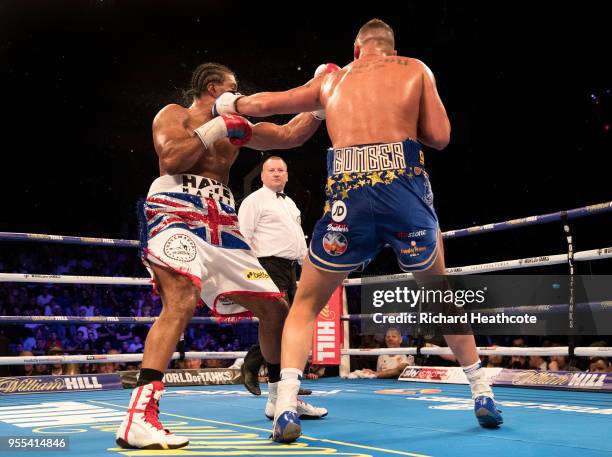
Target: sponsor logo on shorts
339, 211
374, 157
334, 227
180, 247
206, 187
428, 197
335, 243
413, 250
408, 235
254, 275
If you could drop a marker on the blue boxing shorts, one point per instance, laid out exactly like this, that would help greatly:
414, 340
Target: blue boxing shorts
377, 195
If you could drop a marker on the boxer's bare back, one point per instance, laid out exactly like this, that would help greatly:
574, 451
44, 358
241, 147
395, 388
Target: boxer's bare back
378, 99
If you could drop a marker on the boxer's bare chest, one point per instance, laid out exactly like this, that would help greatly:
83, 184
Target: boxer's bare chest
216, 161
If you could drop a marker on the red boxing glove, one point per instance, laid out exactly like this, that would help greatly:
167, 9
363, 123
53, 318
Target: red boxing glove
236, 128
324, 69
239, 130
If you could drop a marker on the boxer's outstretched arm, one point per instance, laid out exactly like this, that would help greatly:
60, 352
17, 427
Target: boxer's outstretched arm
298, 100
434, 126
178, 147
268, 136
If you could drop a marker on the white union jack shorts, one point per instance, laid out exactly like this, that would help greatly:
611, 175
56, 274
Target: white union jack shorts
191, 227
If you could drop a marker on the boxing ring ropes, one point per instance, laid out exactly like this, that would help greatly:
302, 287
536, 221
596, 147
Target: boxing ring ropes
561, 216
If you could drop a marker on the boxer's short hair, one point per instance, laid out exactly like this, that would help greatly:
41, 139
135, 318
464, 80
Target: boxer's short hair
377, 25
203, 75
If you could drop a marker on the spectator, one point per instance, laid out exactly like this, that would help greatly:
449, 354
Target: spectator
193, 364
123, 333
314, 371
57, 368
110, 367
80, 343
135, 346
44, 298
599, 365
53, 341
64, 300
519, 342
28, 370
41, 370
92, 334
30, 342
388, 366
558, 362
41, 347
518, 362
536, 362
495, 361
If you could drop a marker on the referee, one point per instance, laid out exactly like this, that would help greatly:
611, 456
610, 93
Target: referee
271, 224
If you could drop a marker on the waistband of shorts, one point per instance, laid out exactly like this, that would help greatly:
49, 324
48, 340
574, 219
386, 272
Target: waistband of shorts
286, 262
199, 186
365, 158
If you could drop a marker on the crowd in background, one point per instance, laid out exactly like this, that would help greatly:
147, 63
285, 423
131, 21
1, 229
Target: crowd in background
87, 300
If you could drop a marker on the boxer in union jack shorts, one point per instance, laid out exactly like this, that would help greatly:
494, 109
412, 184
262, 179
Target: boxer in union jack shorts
192, 245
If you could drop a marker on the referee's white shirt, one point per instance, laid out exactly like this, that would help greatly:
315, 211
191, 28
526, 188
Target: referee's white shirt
272, 225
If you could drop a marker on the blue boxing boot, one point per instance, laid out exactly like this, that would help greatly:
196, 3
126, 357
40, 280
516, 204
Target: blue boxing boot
487, 413
287, 427
484, 405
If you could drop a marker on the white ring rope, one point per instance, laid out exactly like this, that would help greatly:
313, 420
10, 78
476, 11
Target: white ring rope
582, 256
592, 254
64, 279
110, 358
499, 350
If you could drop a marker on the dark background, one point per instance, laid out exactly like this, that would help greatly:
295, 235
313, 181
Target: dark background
526, 85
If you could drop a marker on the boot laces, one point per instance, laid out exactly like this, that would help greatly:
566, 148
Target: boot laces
151, 413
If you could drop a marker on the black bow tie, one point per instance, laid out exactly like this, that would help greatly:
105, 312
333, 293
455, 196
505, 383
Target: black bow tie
280, 194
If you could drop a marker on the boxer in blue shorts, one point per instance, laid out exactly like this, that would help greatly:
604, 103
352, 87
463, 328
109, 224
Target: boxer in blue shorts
377, 194
380, 108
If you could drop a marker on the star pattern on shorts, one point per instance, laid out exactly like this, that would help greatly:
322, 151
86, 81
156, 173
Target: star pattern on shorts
390, 177
327, 207
340, 186
375, 178
346, 178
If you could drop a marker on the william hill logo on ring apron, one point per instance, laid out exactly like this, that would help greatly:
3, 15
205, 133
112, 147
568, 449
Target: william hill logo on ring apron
327, 336
61, 383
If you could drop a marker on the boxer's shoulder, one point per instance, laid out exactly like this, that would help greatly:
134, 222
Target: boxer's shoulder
173, 110
171, 115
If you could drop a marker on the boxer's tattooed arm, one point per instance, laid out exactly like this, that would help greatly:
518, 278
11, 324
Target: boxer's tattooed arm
268, 136
298, 100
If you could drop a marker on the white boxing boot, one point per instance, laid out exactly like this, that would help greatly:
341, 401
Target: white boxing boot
304, 410
141, 428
